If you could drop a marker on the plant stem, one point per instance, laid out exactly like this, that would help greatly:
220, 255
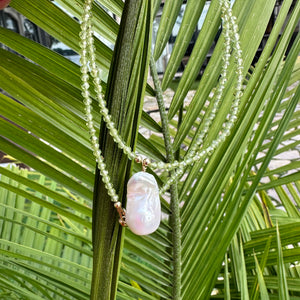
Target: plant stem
174, 204
180, 117
124, 110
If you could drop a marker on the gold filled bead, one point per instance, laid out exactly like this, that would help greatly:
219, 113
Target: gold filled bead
117, 205
138, 159
146, 162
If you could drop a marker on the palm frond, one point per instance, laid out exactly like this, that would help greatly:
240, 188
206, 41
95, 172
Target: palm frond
239, 215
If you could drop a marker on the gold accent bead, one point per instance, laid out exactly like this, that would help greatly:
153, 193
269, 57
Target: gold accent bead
122, 223
117, 205
146, 162
138, 159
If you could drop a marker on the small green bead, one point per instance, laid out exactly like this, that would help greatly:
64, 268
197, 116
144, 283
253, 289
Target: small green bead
160, 165
115, 198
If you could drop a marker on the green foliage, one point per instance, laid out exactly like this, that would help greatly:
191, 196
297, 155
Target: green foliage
239, 214
46, 249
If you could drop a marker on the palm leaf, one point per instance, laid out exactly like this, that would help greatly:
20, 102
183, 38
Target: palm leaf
124, 100
230, 200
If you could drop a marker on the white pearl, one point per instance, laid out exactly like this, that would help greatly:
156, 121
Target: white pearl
143, 211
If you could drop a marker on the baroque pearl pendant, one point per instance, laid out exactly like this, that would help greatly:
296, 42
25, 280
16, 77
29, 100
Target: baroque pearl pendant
143, 211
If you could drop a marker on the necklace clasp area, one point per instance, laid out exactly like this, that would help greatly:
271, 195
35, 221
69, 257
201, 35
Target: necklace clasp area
145, 162
122, 213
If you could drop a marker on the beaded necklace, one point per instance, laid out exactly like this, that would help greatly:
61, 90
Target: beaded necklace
195, 153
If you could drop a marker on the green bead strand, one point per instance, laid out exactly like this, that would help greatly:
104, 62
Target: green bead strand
230, 31
88, 62
85, 29
96, 74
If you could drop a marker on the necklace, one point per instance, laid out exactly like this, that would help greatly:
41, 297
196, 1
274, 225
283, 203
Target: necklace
143, 210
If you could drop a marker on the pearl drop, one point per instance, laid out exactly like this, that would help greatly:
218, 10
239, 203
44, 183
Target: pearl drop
143, 211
